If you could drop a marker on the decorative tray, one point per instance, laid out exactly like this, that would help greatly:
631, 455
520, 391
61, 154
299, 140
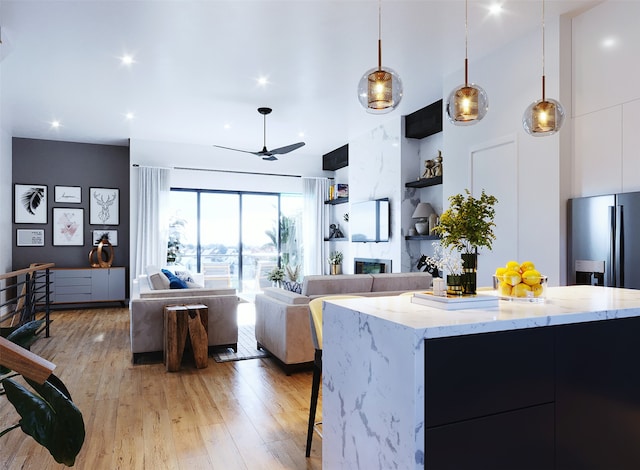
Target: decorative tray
455, 302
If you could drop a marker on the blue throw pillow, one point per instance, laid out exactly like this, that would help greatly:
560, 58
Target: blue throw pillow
174, 281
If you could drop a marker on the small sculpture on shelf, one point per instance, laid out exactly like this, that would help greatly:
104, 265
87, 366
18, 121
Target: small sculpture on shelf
335, 232
428, 169
437, 166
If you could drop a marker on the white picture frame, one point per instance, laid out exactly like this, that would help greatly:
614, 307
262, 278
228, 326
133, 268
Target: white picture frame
68, 226
104, 206
30, 204
96, 235
68, 194
30, 237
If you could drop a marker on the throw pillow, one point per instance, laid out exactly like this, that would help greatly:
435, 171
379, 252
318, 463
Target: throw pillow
174, 281
187, 277
292, 286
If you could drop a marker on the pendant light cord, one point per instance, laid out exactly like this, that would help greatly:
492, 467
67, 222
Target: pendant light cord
466, 41
379, 35
543, 44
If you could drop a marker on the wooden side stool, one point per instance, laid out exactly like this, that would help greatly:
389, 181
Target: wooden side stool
180, 321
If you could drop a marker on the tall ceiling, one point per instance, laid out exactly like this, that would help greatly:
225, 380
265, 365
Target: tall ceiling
196, 65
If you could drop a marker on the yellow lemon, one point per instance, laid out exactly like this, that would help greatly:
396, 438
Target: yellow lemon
512, 277
531, 277
513, 265
504, 289
521, 290
500, 272
537, 290
527, 266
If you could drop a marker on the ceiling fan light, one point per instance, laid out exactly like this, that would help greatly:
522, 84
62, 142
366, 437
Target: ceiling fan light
467, 104
380, 90
543, 117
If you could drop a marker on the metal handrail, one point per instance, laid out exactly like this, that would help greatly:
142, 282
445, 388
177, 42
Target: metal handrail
32, 302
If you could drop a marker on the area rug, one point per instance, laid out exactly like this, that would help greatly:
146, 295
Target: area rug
246, 347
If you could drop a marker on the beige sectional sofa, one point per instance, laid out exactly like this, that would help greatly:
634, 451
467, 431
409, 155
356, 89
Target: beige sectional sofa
146, 316
282, 317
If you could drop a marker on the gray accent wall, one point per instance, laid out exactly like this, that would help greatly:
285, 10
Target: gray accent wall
55, 163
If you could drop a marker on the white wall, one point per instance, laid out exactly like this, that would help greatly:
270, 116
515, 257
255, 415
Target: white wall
607, 99
528, 211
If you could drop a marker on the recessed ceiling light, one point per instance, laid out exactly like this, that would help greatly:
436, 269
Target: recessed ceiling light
301, 134
55, 124
129, 116
609, 42
495, 8
227, 126
127, 59
263, 81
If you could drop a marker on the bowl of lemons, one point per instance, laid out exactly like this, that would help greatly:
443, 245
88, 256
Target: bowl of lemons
520, 281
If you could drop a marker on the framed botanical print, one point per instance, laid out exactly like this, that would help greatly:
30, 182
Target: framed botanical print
104, 206
68, 226
30, 204
68, 194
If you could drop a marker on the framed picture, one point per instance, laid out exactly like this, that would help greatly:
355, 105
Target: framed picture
28, 237
104, 205
112, 236
68, 227
68, 194
30, 204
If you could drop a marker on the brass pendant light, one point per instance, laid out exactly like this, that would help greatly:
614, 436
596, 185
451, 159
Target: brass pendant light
546, 116
468, 103
380, 89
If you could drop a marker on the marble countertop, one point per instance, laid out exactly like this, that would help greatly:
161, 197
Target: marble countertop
563, 305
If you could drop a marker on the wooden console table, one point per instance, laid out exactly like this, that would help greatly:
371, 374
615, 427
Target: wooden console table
181, 321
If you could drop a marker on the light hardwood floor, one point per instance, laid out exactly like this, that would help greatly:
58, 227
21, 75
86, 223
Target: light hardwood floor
235, 415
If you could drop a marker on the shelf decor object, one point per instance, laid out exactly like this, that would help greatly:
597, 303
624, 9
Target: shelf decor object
468, 103
422, 213
380, 89
546, 116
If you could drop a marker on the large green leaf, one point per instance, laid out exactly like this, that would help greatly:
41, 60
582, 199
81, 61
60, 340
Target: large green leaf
23, 336
50, 417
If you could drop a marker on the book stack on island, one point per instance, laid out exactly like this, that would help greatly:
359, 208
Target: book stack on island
455, 302
338, 190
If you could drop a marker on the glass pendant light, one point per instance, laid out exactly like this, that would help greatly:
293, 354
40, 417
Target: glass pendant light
468, 103
545, 116
380, 89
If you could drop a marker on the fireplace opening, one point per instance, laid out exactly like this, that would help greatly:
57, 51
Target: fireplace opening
371, 266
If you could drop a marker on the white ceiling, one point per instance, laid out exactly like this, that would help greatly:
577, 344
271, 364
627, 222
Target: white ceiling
196, 65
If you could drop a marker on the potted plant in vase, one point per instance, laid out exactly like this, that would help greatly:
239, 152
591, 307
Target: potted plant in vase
335, 262
466, 226
276, 276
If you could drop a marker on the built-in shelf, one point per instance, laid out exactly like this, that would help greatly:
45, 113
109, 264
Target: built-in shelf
424, 182
422, 237
334, 239
338, 200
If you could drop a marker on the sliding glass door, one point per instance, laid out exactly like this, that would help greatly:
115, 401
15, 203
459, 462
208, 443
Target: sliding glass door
235, 238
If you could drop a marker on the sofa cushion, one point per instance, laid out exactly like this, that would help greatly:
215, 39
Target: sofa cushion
188, 279
174, 281
157, 280
338, 284
183, 293
286, 296
400, 281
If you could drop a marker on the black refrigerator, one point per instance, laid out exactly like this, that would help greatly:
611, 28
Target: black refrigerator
604, 240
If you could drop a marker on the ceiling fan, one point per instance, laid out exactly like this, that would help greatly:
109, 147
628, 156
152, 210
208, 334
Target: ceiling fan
268, 155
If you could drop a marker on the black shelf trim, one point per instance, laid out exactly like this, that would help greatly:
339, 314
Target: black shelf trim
422, 237
338, 200
424, 182
341, 239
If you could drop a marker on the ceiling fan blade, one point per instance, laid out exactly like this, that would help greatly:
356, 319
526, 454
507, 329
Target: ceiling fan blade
287, 149
236, 150
270, 158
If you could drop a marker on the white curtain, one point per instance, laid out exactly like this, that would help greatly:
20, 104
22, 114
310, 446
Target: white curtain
152, 236
315, 191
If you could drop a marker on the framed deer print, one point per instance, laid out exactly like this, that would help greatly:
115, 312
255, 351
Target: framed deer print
104, 205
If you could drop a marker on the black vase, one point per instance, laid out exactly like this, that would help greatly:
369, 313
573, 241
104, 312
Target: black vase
469, 269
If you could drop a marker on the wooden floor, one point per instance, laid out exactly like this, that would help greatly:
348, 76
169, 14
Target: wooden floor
234, 415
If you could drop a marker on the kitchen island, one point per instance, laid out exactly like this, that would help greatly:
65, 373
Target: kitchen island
522, 385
